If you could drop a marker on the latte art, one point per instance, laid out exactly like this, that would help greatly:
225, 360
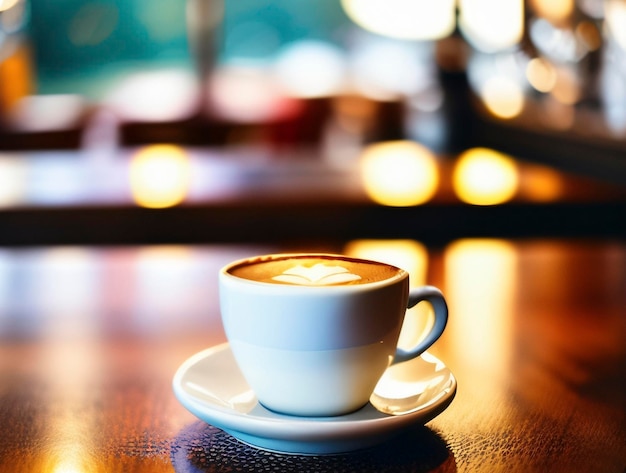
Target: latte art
317, 275
314, 270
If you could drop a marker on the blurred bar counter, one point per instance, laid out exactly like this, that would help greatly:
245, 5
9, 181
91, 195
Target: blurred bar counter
173, 194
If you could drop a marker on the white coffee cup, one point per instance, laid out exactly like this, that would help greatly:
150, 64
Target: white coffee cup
313, 333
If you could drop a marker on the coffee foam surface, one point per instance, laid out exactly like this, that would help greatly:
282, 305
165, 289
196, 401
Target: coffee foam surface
314, 271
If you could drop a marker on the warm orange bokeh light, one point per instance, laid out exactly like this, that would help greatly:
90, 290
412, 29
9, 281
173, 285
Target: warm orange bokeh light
502, 96
568, 88
412, 256
555, 11
160, 176
480, 288
485, 177
399, 173
541, 74
541, 184
16, 76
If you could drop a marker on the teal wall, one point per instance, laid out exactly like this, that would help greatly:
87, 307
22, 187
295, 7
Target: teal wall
79, 44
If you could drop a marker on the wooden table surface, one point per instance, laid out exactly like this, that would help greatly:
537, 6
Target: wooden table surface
90, 338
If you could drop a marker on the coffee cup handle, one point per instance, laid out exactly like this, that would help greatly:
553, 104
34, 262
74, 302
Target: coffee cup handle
435, 297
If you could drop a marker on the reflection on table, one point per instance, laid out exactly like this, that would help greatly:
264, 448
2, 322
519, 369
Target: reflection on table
91, 337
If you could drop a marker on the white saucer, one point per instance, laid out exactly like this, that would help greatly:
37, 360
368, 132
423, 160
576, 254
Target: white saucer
210, 385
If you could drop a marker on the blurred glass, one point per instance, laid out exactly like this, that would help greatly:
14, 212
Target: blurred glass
204, 21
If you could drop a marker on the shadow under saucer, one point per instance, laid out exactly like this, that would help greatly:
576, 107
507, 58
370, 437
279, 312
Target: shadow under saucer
201, 448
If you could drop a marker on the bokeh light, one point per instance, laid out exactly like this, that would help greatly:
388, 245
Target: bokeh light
399, 173
13, 172
153, 96
589, 34
555, 11
502, 96
6, 4
492, 25
615, 11
480, 281
311, 69
500, 81
412, 256
160, 176
541, 74
247, 94
541, 183
483, 176
568, 88
17, 66
404, 19
47, 112
559, 45
408, 68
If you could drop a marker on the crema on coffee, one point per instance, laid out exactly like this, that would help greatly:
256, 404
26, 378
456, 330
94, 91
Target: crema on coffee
314, 270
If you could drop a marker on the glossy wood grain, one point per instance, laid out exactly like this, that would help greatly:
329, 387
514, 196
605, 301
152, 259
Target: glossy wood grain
90, 339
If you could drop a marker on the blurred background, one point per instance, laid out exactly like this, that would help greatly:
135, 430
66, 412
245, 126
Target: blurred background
155, 121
